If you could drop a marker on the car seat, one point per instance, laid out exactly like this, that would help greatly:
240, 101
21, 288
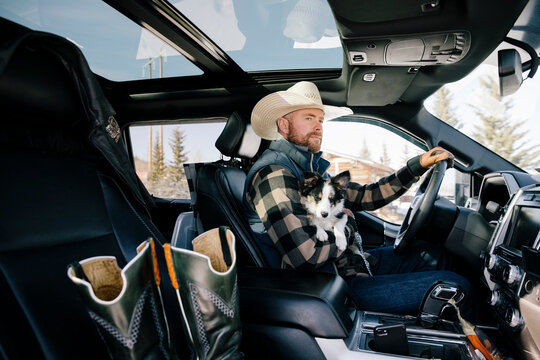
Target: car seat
68, 193
220, 188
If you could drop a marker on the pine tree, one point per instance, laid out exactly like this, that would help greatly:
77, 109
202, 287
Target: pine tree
501, 135
157, 173
385, 158
175, 182
365, 154
175, 170
443, 109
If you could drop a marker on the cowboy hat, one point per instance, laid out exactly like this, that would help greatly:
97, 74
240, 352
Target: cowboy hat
302, 95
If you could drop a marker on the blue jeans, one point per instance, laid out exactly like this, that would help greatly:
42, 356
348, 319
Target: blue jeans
399, 283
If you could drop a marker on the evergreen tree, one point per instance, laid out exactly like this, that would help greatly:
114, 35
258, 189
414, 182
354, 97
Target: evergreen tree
385, 158
156, 175
365, 154
443, 109
500, 134
174, 184
175, 169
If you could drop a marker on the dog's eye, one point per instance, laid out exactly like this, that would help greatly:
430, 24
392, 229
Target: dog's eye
331, 196
320, 196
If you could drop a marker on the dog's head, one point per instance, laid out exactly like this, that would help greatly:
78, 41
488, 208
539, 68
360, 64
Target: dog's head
325, 197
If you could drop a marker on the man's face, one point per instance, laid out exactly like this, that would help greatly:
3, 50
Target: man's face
303, 127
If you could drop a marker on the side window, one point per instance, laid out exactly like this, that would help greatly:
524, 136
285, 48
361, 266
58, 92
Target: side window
160, 152
370, 151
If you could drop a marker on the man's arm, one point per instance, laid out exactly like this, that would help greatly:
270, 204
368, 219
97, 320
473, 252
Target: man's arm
275, 196
376, 195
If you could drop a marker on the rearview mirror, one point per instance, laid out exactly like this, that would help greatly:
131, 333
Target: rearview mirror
510, 71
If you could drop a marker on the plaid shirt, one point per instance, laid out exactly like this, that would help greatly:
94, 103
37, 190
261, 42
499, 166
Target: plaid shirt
275, 196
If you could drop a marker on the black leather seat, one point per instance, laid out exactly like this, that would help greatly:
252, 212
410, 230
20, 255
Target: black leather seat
62, 199
220, 188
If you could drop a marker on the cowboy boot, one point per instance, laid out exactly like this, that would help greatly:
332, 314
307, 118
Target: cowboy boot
205, 282
125, 304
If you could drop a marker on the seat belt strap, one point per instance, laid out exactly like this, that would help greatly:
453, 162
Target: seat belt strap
191, 169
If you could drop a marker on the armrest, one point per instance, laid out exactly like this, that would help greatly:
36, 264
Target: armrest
315, 301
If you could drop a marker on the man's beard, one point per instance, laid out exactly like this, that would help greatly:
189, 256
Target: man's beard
313, 144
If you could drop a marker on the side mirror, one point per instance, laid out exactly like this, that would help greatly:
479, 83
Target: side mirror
510, 72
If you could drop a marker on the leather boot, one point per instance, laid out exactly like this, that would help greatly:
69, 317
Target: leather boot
125, 304
205, 282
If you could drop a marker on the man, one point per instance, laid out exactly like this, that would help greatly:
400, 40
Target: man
293, 119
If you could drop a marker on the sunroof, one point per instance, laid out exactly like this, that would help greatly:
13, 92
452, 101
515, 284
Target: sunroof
269, 34
114, 46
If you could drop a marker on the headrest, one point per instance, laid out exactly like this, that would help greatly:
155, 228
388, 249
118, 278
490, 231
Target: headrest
57, 93
238, 138
36, 86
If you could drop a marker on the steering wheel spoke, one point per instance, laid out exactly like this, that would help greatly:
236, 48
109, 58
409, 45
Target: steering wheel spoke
420, 209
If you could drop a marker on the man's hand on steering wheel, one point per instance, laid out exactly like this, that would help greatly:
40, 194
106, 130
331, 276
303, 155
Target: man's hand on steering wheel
429, 158
423, 202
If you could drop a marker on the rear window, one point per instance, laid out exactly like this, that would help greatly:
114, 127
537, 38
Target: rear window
160, 152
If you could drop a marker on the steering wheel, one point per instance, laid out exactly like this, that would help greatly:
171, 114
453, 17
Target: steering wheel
421, 207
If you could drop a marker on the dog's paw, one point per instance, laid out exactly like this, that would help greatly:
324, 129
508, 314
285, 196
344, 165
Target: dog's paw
341, 242
321, 234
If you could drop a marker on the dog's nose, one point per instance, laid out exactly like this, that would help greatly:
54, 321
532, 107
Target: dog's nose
324, 214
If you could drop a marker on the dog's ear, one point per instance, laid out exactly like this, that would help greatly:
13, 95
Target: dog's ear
342, 179
310, 180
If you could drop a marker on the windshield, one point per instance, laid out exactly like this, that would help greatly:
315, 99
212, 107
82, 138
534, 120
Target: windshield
509, 126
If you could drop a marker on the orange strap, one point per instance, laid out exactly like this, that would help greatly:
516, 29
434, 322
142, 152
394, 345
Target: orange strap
155, 262
170, 266
475, 341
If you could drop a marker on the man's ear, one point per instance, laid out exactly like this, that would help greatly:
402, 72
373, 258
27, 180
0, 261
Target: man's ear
342, 179
310, 180
283, 126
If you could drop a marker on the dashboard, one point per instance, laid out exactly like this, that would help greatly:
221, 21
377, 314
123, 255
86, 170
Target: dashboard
511, 263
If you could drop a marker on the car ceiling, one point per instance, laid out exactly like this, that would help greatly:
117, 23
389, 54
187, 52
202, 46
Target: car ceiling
225, 87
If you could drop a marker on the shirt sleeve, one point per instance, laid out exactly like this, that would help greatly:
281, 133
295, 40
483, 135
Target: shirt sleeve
376, 195
275, 196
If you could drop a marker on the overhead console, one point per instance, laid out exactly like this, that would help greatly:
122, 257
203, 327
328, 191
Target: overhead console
392, 44
410, 50
383, 68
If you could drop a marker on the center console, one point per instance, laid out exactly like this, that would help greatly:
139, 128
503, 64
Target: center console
512, 271
517, 232
310, 315
445, 342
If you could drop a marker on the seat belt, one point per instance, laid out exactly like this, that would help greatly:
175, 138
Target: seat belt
191, 169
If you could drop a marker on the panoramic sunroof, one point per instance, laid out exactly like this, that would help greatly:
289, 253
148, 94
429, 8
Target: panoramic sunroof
258, 35
114, 46
269, 34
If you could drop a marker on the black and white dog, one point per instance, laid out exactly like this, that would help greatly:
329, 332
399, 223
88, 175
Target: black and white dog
324, 202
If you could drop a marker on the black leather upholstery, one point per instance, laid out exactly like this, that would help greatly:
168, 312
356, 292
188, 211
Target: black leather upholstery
230, 138
314, 301
220, 189
61, 201
284, 310
219, 197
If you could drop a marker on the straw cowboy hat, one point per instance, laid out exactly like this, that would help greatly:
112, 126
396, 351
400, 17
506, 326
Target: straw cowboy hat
302, 95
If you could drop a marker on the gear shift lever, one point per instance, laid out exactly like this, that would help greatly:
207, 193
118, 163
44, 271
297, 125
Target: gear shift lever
436, 301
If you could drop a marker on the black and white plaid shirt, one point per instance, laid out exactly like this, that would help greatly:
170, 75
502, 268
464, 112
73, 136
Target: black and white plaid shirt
275, 196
